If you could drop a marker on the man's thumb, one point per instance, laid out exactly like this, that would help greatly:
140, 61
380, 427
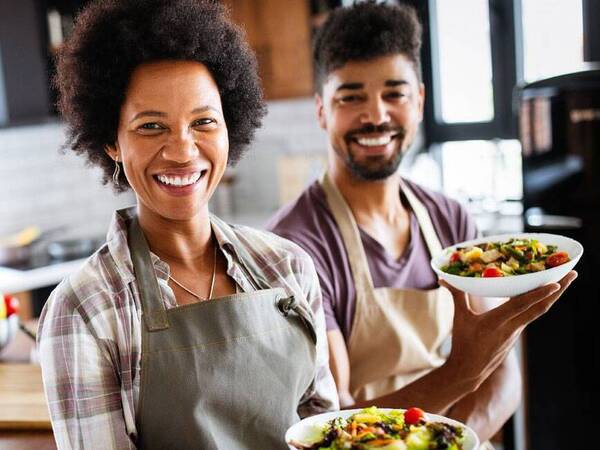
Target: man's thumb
461, 302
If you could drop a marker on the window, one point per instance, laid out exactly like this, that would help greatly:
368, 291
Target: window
465, 61
469, 69
552, 37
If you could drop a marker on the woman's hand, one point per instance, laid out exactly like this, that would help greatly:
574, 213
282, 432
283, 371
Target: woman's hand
480, 342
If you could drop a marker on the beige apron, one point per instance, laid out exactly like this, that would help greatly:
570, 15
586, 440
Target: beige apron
397, 334
224, 374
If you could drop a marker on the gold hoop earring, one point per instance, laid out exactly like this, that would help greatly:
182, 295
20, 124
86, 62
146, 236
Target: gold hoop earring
117, 172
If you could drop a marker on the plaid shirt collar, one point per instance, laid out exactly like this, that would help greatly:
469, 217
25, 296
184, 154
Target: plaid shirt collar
116, 240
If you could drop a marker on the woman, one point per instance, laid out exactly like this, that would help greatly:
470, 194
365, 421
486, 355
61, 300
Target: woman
181, 331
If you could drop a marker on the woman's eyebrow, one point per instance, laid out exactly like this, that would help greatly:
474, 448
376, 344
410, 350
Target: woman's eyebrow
148, 113
151, 113
204, 108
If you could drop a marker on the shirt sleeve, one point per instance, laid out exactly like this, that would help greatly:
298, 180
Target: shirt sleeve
467, 227
80, 377
322, 395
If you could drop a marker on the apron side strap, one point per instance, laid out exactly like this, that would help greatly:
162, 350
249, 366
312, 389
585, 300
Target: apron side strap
154, 312
288, 304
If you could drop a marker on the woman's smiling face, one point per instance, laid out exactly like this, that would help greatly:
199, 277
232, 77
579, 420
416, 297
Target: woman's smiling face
172, 138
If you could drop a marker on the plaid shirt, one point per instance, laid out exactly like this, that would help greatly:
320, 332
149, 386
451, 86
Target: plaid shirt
90, 334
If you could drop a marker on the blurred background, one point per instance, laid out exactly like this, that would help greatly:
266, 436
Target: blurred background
511, 129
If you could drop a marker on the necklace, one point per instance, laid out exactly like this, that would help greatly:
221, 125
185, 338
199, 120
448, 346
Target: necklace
212, 281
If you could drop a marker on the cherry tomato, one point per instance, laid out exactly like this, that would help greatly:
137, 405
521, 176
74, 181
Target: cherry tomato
556, 259
413, 416
492, 272
12, 305
455, 257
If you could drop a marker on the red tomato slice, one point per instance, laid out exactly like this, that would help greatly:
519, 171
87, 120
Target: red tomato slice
556, 259
492, 272
455, 257
413, 416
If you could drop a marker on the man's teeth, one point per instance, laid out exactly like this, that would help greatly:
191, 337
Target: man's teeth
179, 181
373, 142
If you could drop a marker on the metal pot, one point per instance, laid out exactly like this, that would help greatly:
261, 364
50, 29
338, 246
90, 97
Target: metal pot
15, 254
71, 248
12, 254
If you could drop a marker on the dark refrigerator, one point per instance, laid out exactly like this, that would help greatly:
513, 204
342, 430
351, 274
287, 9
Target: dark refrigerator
559, 123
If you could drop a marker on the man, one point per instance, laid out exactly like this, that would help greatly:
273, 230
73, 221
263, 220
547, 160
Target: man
371, 235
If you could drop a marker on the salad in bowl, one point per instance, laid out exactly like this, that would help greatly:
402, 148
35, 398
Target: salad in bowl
380, 429
507, 265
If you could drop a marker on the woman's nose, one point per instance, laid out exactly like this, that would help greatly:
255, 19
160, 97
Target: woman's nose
181, 147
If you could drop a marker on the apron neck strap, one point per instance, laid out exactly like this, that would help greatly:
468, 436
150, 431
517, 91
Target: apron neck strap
350, 235
153, 307
431, 237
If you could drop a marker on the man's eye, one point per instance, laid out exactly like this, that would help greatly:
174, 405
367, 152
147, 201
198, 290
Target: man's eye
349, 98
396, 95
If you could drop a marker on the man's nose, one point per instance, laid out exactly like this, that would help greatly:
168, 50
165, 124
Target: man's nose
181, 147
376, 112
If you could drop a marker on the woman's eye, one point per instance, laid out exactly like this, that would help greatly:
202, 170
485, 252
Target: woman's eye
203, 122
151, 126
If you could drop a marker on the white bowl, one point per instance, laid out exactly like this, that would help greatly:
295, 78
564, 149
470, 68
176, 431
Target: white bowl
516, 284
305, 430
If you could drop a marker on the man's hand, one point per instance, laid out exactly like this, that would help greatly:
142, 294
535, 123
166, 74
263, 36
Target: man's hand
480, 342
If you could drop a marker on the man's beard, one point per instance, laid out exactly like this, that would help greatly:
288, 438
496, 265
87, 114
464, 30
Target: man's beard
373, 168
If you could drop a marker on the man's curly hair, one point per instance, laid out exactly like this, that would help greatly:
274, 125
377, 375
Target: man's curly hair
365, 31
112, 37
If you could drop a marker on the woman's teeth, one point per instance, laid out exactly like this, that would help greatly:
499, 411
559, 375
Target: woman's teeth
374, 142
179, 181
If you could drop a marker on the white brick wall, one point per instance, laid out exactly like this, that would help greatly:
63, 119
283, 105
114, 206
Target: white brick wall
41, 186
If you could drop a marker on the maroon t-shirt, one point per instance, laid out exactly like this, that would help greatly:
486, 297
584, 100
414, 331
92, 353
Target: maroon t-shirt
308, 222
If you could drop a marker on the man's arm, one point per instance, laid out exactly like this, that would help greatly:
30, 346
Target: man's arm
489, 407
448, 387
481, 343
340, 366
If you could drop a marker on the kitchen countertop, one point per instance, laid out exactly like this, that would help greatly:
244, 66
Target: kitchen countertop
13, 280
16, 357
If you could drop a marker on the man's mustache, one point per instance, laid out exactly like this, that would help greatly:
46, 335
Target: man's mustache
372, 128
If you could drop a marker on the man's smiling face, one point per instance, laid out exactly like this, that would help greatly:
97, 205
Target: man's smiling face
371, 111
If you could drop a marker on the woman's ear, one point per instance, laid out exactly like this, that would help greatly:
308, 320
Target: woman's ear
112, 151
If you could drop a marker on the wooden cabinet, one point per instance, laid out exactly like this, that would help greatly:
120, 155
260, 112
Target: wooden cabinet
23, 77
279, 33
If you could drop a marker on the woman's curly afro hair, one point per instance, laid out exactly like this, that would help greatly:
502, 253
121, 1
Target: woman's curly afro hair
112, 37
365, 31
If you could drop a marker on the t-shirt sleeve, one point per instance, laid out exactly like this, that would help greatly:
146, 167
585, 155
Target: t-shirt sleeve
466, 225
324, 274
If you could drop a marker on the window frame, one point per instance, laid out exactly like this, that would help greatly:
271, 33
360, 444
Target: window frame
505, 16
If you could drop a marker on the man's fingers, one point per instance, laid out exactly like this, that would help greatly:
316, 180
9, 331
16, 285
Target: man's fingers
540, 308
517, 305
